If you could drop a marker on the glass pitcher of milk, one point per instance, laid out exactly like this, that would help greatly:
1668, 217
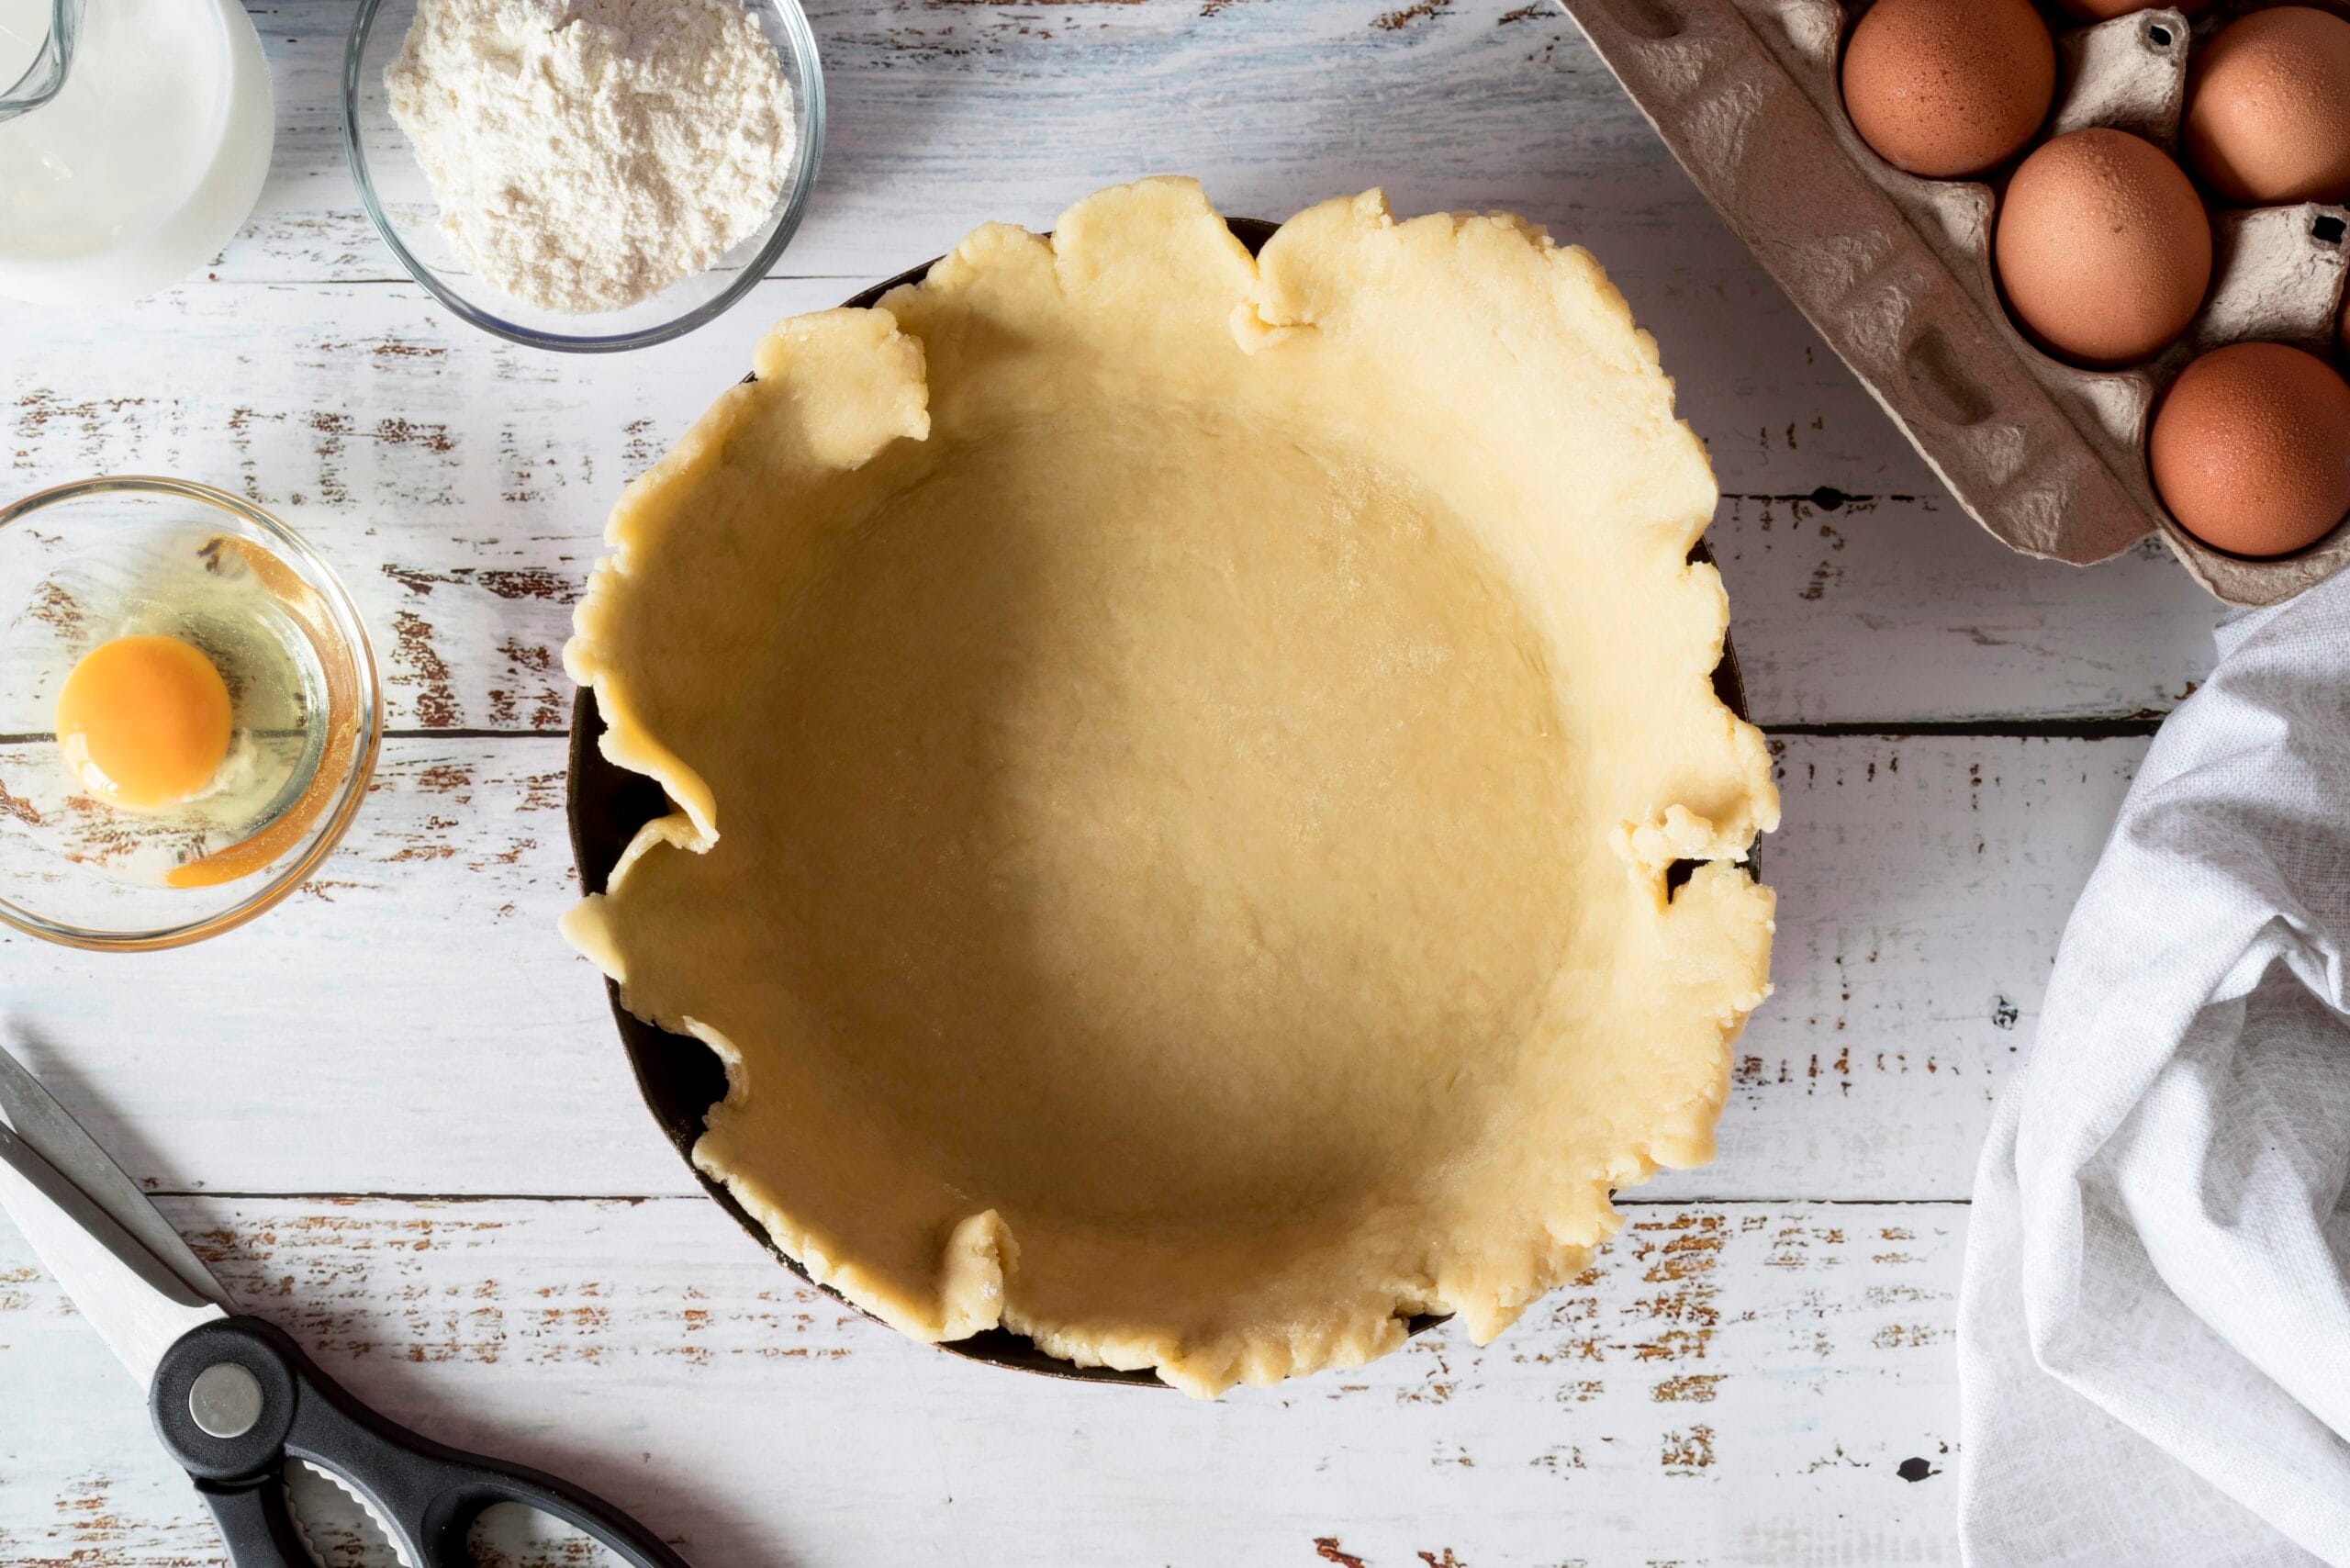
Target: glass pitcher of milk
134, 137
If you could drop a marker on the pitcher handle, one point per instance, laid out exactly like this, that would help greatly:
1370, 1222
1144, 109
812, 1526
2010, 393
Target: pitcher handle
45, 75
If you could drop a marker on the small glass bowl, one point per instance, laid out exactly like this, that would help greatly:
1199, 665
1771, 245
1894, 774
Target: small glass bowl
393, 187
84, 562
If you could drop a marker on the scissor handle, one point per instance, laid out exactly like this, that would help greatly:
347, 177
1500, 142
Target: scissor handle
282, 1406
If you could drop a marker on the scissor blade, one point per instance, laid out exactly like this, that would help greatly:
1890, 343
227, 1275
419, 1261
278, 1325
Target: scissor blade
137, 1304
57, 1139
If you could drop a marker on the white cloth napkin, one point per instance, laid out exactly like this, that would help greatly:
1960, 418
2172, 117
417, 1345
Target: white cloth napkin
2155, 1326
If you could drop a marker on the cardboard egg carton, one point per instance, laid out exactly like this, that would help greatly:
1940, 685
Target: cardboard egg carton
1895, 271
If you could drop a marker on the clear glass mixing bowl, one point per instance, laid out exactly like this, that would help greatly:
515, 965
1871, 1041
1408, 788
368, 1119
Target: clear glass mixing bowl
85, 563
393, 187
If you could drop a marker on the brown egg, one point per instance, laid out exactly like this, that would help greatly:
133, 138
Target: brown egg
2268, 108
2102, 246
2251, 449
1942, 88
2106, 10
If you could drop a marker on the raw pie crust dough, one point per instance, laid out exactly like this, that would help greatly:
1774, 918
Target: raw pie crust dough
1175, 762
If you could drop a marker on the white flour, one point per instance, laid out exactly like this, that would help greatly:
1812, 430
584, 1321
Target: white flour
589, 153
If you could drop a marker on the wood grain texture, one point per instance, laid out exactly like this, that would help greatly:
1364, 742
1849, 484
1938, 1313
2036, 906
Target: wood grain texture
1728, 1384
416, 998
1751, 1374
945, 113
461, 482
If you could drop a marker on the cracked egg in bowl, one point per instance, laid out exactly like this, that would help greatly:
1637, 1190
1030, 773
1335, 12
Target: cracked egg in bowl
1182, 772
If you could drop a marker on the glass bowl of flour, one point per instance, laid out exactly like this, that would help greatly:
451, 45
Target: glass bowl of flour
584, 175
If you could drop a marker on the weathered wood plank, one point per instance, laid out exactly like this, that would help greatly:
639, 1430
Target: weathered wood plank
461, 482
1728, 1384
1923, 884
417, 999
945, 113
1737, 1381
461, 485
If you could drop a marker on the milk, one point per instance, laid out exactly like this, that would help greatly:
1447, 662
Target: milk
147, 160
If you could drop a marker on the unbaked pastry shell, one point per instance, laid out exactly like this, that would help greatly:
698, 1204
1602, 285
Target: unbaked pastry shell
1176, 760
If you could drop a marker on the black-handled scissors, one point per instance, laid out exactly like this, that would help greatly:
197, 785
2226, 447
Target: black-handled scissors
233, 1398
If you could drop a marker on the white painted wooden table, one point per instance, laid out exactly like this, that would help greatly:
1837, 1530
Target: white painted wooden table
393, 1114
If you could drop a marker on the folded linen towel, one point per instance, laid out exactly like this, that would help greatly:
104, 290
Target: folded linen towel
2155, 1323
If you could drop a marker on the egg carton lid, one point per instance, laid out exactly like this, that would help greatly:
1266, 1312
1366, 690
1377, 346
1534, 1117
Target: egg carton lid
1894, 273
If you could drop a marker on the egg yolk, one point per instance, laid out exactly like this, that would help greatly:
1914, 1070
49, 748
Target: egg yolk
144, 721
